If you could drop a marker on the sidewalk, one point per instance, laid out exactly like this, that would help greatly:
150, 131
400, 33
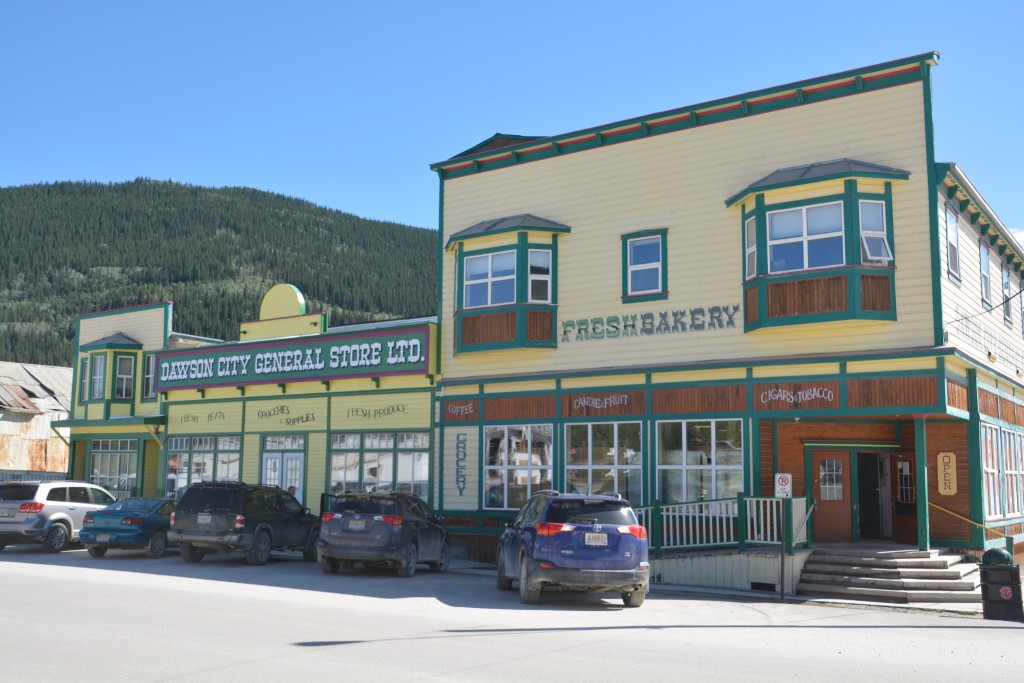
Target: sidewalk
482, 569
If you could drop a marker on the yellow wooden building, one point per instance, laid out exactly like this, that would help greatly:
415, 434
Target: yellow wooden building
684, 307
293, 403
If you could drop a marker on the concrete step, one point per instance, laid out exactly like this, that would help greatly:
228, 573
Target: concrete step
898, 584
930, 562
898, 596
955, 572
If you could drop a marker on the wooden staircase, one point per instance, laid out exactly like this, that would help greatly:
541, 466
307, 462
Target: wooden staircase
894, 574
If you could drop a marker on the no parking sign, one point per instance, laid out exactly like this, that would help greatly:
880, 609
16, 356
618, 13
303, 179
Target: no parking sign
783, 485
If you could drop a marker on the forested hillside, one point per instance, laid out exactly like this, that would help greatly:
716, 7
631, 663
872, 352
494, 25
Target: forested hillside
70, 248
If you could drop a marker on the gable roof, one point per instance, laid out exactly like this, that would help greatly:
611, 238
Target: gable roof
522, 221
119, 340
34, 389
817, 172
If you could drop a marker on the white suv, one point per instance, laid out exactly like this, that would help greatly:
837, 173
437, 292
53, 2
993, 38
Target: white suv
47, 512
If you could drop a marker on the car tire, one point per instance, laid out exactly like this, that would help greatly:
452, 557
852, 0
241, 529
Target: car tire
504, 582
442, 559
259, 553
157, 545
97, 550
190, 553
408, 566
527, 595
329, 565
309, 550
633, 598
57, 538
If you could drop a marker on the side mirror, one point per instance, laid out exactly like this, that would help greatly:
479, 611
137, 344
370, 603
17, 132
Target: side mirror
440, 519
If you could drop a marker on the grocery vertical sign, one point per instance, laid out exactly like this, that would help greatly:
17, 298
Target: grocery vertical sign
404, 351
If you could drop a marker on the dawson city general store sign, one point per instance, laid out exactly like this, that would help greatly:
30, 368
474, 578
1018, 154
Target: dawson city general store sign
402, 352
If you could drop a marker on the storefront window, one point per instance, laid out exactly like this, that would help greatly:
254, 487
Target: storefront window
604, 457
518, 463
699, 460
114, 463
201, 458
380, 461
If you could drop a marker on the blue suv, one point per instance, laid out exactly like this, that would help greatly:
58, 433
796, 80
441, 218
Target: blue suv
568, 541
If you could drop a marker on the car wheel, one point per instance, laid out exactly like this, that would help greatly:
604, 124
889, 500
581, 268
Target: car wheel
408, 566
329, 565
56, 538
157, 545
309, 551
190, 553
442, 559
97, 550
504, 582
633, 599
527, 595
259, 553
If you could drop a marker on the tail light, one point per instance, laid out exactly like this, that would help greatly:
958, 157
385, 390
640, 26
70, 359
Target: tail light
634, 530
393, 520
88, 519
239, 521
328, 517
31, 507
172, 519
131, 521
552, 528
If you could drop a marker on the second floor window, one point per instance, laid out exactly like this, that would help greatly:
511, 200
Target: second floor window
986, 278
872, 232
124, 380
1007, 310
644, 264
952, 243
750, 237
540, 276
490, 279
99, 367
806, 237
149, 379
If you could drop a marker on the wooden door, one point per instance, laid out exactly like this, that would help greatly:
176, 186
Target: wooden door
832, 516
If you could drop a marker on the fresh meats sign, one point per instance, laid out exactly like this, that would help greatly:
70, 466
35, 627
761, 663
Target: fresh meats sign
341, 356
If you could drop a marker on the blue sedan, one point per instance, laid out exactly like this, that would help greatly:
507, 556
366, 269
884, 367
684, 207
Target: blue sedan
129, 523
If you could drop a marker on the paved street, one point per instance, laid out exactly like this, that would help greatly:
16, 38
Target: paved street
71, 617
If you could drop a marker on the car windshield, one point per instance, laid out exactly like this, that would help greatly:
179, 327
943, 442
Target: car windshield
134, 505
591, 512
364, 505
211, 498
18, 491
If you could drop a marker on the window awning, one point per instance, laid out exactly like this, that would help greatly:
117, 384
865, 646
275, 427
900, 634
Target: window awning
818, 172
494, 226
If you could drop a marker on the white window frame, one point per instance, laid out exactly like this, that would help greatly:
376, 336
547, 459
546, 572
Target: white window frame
986, 274
124, 382
624, 465
98, 376
805, 239
114, 465
750, 236
679, 466
527, 466
952, 242
489, 280
149, 378
654, 265
990, 472
538, 277
1007, 308
874, 238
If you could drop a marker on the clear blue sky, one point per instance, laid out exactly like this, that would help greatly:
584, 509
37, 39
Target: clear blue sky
346, 103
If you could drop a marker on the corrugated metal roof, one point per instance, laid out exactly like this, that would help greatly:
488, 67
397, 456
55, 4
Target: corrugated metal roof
30, 388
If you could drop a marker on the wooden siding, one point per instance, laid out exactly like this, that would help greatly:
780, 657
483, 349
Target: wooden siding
488, 328
807, 297
519, 408
750, 305
951, 437
956, 395
611, 191
539, 325
712, 399
875, 293
988, 403
903, 391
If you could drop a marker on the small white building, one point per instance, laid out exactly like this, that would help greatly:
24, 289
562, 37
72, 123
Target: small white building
32, 397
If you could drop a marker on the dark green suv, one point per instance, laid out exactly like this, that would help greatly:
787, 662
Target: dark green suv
222, 516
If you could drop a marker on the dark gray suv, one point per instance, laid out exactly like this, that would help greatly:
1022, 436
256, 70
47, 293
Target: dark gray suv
222, 516
47, 512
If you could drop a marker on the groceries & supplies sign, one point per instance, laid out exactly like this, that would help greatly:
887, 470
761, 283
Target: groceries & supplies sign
341, 356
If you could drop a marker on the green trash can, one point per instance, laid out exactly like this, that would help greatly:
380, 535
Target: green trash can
1000, 586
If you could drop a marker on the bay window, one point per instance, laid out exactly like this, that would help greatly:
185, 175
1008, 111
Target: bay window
806, 237
490, 279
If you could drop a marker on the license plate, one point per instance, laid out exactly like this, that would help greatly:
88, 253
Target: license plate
102, 538
596, 539
203, 518
357, 525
